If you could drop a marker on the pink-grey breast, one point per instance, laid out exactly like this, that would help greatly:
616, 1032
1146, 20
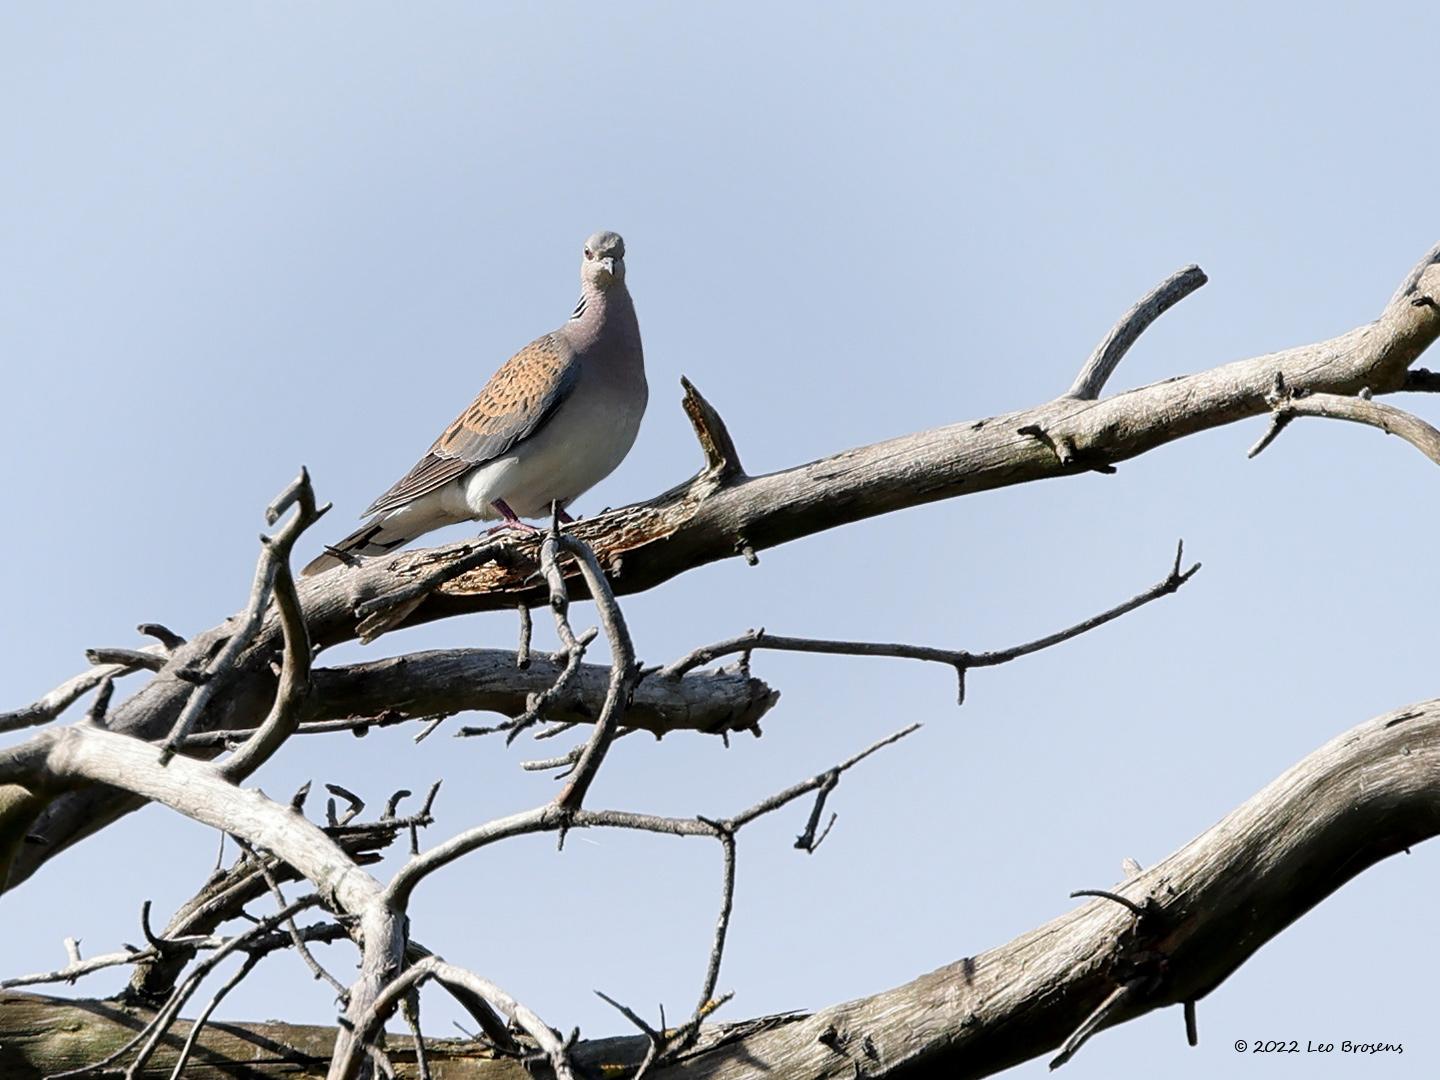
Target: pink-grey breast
519, 397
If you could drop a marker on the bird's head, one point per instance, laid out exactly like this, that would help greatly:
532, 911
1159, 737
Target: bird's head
604, 263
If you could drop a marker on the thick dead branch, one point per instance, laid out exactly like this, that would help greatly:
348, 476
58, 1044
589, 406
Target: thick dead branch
1370, 793
721, 513
43, 1035
419, 686
203, 793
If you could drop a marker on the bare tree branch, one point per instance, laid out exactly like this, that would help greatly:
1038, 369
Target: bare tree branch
272, 573
624, 672
66, 694
1359, 410
1362, 797
1132, 324
284, 713
368, 1027
418, 686
721, 513
960, 659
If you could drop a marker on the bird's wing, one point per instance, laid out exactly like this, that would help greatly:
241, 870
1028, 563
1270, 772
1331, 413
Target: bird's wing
521, 396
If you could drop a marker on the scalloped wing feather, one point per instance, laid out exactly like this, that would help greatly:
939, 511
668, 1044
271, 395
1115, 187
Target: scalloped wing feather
521, 396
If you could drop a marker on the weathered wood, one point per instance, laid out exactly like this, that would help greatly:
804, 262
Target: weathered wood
42, 1035
1368, 794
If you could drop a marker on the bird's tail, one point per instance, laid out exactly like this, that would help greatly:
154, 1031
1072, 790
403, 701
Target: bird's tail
373, 538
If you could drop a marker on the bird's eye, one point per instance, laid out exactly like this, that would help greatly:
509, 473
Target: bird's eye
589, 254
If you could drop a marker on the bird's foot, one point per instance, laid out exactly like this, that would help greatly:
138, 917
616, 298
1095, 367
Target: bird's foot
513, 526
512, 520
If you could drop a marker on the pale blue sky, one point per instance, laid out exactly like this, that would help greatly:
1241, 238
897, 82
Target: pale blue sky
238, 239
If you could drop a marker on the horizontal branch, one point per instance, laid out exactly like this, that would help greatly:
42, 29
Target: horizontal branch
447, 681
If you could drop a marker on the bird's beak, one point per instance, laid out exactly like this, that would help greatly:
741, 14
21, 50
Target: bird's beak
609, 264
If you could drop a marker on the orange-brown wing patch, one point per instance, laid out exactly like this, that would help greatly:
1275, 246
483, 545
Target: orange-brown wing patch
517, 399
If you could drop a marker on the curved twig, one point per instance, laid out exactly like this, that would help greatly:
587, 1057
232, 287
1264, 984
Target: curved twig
1358, 410
432, 967
1113, 347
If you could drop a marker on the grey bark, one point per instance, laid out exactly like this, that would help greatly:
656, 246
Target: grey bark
1368, 794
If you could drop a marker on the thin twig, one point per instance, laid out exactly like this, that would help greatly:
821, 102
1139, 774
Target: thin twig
294, 686
774, 802
410, 1009
169, 640
200, 1021
235, 737
807, 840
152, 1032
318, 971
369, 1025
624, 673
569, 758
163, 1019
522, 654
355, 805
961, 660
707, 1004
78, 969
101, 705
63, 696
1118, 999
1358, 410
275, 552
538, 703
1135, 909
549, 817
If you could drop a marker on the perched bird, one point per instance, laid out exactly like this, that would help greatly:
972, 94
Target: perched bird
553, 422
